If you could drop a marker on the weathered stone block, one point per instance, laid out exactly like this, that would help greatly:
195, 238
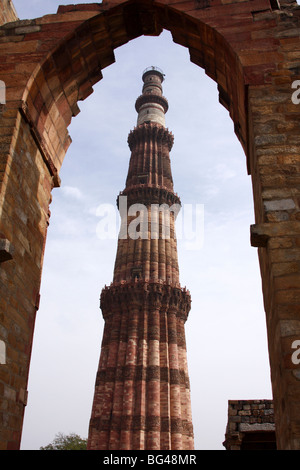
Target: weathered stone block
279, 205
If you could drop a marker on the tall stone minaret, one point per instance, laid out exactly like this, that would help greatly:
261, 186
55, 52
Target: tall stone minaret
142, 391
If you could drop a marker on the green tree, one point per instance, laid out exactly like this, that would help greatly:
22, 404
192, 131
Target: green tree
63, 442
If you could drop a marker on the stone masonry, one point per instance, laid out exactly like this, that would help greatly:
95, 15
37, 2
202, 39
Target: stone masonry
251, 49
250, 425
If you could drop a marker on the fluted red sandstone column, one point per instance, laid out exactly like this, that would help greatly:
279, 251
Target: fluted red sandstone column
142, 393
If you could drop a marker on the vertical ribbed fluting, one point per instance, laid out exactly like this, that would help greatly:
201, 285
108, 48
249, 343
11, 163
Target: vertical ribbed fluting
147, 250
150, 161
114, 438
124, 259
147, 151
130, 256
154, 155
166, 167
153, 379
99, 399
141, 152
143, 354
163, 245
119, 261
143, 149
154, 260
165, 437
155, 167
100, 434
138, 251
182, 378
162, 259
138, 157
159, 162
185, 386
168, 261
175, 270
168, 253
138, 434
129, 392
109, 366
175, 398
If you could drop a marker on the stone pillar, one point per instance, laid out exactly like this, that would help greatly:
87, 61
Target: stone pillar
274, 124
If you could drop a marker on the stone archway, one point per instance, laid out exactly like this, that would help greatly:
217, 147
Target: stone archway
251, 49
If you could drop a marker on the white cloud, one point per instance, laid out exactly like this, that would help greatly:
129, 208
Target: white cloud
70, 191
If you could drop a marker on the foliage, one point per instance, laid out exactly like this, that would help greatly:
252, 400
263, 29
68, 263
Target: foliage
69, 442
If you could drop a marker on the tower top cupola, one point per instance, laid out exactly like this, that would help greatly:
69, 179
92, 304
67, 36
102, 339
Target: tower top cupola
151, 106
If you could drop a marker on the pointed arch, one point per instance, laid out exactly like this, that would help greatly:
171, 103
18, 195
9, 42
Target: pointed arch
72, 67
251, 49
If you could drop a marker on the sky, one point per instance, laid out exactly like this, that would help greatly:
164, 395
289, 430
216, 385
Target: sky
225, 331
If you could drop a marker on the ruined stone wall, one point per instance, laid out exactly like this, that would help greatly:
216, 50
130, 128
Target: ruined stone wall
252, 422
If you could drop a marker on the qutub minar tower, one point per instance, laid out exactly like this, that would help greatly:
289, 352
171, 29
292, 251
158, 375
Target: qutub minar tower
142, 391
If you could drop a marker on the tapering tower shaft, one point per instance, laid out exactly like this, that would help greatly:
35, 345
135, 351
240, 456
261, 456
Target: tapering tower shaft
142, 392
